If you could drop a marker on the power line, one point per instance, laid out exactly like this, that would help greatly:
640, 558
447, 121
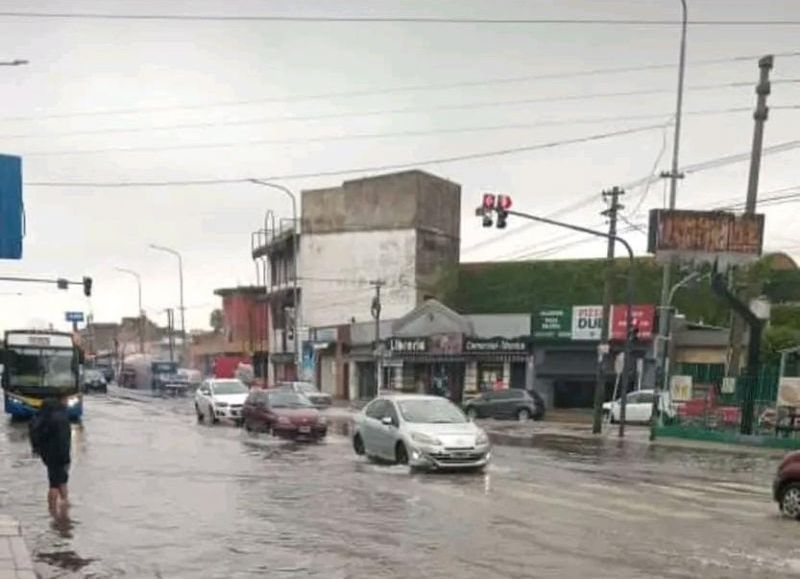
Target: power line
336, 172
389, 19
396, 89
381, 112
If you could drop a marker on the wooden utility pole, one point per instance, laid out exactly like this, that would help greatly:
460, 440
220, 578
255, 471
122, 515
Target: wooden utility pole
614, 207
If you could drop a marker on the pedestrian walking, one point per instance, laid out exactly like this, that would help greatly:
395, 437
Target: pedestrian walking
51, 439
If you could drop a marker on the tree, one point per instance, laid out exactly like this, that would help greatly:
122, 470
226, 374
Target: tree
217, 320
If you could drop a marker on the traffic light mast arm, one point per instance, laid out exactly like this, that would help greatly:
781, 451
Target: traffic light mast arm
629, 296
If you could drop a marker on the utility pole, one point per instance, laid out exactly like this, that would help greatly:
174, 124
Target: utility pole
760, 115
170, 334
375, 309
614, 207
673, 176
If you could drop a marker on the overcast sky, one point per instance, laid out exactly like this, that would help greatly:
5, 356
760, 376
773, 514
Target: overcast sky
190, 72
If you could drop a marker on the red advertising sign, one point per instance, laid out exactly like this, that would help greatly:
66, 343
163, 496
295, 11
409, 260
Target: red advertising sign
643, 319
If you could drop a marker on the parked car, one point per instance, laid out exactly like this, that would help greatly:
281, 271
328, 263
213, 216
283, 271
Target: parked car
786, 486
638, 407
510, 403
94, 381
422, 431
283, 413
220, 399
307, 389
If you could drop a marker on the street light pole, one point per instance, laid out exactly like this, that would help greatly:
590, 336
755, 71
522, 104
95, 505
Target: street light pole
673, 185
180, 284
295, 292
141, 311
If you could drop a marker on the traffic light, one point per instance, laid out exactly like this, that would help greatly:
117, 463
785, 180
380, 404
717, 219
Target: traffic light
503, 204
87, 287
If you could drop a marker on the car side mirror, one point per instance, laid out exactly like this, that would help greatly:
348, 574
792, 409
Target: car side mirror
387, 421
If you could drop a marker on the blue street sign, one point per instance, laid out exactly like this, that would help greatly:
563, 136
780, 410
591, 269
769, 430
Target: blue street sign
11, 218
74, 317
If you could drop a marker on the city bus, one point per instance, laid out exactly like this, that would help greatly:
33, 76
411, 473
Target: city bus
40, 364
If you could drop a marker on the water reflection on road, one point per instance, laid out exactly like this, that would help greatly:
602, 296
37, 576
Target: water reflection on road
157, 495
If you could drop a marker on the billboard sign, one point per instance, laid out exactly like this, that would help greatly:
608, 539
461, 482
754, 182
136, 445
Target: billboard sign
587, 322
643, 319
407, 345
496, 345
552, 324
706, 236
680, 388
11, 225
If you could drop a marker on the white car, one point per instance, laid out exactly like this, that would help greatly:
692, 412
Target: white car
638, 407
421, 431
220, 399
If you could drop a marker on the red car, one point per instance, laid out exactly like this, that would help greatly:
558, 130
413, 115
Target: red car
786, 486
283, 413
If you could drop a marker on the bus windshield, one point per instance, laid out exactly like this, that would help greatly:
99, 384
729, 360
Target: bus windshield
40, 368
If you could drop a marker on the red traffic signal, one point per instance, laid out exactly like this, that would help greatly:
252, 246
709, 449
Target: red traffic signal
503, 202
488, 201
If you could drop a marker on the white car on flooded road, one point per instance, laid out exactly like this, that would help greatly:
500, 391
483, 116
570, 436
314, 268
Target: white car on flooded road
220, 399
427, 432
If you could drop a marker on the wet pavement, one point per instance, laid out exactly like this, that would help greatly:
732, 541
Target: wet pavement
157, 495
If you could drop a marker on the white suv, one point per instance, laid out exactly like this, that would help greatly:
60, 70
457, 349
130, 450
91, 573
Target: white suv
220, 399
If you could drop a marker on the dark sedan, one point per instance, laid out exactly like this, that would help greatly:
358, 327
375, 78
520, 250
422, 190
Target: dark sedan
283, 413
511, 403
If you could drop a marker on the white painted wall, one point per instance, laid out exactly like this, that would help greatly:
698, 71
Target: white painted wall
335, 269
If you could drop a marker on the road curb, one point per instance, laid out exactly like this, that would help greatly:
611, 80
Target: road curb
15, 560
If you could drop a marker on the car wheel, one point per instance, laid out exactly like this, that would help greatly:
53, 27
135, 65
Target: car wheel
246, 426
358, 445
472, 414
400, 454
790, 501
212, 417
611, 418
523, 415
199, 414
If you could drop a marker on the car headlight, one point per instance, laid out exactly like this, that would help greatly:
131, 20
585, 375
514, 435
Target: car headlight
425, 439
481, 439
73, 400
221, 404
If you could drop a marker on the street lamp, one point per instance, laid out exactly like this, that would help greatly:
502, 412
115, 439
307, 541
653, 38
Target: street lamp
141, 311
180, 283
296, 297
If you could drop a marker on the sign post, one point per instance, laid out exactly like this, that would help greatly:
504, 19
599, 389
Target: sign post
75, 318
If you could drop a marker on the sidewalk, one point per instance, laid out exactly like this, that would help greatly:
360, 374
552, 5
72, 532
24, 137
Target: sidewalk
15, 561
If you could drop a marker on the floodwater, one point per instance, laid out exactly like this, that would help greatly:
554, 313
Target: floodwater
157, 495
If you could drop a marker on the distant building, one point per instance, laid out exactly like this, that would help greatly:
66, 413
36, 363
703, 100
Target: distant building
402, 229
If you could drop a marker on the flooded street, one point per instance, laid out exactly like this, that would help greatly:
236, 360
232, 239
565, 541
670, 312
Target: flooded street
157, 495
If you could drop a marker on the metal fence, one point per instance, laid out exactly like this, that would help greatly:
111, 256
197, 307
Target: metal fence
718, 409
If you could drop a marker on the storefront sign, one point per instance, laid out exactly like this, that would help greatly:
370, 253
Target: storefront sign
407, 345
643, 320
446, 344
587, 322
553, 324
496, 345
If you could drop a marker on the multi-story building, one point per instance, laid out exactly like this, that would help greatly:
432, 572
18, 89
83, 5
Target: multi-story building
399, 231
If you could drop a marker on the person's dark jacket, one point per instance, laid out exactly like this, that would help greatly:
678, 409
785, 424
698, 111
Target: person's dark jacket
53, 433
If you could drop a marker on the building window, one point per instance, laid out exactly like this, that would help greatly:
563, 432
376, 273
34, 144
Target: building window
490, 376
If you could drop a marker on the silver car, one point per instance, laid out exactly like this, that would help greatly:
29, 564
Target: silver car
421, 431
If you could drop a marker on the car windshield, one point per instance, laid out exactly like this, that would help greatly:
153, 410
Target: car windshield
41, 368
427, 411
230, 387
306, 388
92, 375
287, 400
